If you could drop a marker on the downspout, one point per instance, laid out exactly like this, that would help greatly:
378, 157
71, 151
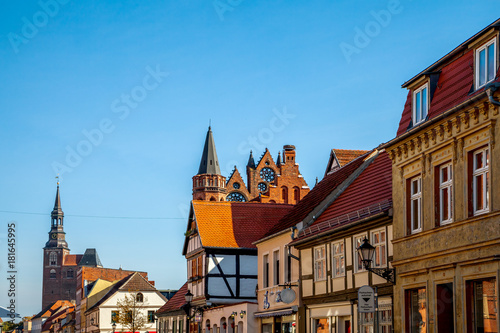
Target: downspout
490, 89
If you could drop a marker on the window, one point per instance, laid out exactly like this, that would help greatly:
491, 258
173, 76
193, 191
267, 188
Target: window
338, 256
69, 274
445, 194
288, 266
366, 322
414, 207
151, 316
52, 273
379, 242
385, 320
319, 264
480, 181
358, 262
276, 267
265, 269
114, 316
445, 307
139, 297
53, 259
486, 63
321, 325
420, 104
482, 306
296, 194
174, 327
416, 310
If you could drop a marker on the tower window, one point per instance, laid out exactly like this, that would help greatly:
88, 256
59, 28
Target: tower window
139, 298
69, 274
53, 259
52, 274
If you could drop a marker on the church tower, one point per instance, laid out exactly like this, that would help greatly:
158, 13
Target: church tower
54, 253
209, 184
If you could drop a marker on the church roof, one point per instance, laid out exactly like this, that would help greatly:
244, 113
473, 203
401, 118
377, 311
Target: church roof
209, 162
90, 258
235, 224
57, 204
72, 259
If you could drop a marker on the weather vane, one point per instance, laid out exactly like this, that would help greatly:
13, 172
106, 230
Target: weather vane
57, 177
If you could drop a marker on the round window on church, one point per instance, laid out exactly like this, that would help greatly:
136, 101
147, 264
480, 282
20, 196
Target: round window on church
267, 174
262, 187
236, 185
236, 196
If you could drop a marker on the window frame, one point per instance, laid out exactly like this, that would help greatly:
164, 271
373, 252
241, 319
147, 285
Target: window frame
338, 256
484, 172
276, 267
411, 198
321, 261
484, 47
356, 258
441, 186
423, 87
265, 270
52, 259
377, 247
287, 276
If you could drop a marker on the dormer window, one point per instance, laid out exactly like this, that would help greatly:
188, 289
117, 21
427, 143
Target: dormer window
486, 63
420, 104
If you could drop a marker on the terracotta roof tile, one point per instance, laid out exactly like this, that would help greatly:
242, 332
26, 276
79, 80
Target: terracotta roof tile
345, 156
176, 302
235, 224
72, 259
317, 195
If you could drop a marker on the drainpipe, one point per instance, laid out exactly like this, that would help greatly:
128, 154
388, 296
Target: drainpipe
490, 89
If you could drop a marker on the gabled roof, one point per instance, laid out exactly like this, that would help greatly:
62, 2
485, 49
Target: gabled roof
176, 302
234, 224
209, 163
317, 195
340, 157
90, 258
50, 309
455, 84
368, 195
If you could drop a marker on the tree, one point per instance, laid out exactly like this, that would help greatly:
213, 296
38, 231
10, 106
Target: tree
130, 315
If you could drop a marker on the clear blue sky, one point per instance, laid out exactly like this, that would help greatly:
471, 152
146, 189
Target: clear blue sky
72, 68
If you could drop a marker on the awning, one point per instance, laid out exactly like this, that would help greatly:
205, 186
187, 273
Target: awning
274, 313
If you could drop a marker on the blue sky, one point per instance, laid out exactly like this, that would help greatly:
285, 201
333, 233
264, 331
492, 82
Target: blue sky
143, 80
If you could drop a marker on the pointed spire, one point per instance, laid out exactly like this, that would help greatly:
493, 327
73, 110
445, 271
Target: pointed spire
278, 162
209, 162
251, 161
57, 211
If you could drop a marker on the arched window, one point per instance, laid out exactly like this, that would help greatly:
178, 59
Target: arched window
69, 273
139, 297
52, 273
296, 194
53, 259
284, 194
212, 199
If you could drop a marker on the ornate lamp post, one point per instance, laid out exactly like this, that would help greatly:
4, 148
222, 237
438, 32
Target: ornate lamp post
114, 327
188, 297
366, 251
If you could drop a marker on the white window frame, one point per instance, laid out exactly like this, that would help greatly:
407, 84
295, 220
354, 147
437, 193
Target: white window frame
355, 256
422, 113
52, 259
276, 267
417, 196
380, 247
476, 172
484, 48
443, 185
319, 260
340, 257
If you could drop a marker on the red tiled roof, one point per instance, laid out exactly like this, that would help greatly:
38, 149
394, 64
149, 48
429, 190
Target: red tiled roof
235, 224
316, 195
369, 194
455, 86
176, 302
72, 259
345, 156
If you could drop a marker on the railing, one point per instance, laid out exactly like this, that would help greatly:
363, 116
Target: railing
347, 218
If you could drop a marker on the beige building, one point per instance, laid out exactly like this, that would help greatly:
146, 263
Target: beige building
446, 169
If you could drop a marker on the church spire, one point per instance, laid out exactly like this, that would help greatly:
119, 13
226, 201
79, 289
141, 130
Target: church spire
278, 162
251, 161
57, 234
209, 162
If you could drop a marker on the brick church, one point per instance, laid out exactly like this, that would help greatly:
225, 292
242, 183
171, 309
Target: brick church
59, 266
268, 181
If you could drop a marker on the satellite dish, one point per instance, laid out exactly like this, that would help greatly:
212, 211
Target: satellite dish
288, 296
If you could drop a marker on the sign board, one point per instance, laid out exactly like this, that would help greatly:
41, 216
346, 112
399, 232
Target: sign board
198, 317
366, 299
288, 296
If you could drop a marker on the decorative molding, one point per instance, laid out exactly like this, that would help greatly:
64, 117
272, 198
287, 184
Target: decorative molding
466, 119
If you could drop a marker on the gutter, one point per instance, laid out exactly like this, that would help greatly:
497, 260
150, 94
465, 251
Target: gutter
490, 90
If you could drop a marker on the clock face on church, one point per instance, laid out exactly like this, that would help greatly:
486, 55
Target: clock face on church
54, 236
267, 174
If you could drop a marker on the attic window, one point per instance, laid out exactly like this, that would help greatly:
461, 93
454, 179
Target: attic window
486, 63
420, 104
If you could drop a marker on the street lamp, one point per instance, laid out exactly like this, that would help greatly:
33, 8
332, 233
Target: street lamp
114, 327
366, 251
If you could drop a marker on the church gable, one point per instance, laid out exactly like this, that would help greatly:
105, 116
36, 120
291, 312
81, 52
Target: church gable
236, 187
